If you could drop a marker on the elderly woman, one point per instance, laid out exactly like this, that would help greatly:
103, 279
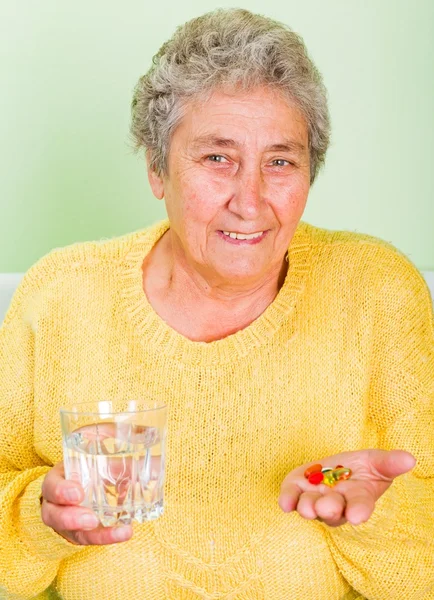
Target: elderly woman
276, 344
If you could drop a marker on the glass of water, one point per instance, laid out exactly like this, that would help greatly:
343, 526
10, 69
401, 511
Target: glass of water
116, 451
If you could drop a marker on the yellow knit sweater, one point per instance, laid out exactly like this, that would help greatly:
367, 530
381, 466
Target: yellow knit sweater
343, 359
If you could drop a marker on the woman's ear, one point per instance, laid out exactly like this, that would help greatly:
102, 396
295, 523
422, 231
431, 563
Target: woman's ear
155, 180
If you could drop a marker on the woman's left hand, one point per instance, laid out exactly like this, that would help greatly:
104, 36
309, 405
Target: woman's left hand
352, 500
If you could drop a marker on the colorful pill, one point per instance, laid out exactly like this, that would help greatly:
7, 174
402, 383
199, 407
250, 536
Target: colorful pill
326, 469
329, 478
339, 467
316, 478
342, 474
313, 469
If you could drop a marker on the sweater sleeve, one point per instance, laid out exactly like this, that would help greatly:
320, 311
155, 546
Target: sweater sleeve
392, 555
30, 552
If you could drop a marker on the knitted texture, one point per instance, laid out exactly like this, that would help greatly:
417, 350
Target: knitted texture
343, 359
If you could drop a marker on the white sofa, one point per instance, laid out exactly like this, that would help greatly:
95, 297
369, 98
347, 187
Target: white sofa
9, 281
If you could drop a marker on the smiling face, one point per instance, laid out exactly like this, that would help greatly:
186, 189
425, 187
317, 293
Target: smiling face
238, 166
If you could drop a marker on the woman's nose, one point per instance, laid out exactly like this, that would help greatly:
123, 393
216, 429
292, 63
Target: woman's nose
247, 199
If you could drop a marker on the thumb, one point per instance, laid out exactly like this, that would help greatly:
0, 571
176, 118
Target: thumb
390, 464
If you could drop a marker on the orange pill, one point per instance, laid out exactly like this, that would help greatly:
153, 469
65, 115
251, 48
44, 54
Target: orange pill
313, 469
339, 467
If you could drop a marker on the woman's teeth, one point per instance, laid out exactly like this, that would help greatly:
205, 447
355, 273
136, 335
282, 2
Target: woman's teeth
243, 236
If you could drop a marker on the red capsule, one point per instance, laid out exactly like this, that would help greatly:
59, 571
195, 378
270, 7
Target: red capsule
313, 469
339, 467
316, 478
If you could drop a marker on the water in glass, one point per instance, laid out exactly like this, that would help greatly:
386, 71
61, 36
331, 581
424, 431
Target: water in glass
120, 468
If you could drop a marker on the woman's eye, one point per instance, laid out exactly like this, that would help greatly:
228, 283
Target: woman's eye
280, 162
216, 158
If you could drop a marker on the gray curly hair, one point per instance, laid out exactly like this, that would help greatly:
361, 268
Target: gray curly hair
227, 47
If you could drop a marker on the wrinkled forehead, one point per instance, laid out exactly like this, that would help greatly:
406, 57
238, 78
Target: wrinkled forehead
231, 119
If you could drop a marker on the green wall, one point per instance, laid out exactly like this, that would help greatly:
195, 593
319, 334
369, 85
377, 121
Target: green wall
67, 74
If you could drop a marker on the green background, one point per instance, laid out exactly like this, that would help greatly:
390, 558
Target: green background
67, 74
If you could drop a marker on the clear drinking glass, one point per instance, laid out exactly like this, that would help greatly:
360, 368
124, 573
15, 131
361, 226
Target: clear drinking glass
116, 450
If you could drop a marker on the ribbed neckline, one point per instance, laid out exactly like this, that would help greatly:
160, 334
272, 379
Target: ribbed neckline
154, 331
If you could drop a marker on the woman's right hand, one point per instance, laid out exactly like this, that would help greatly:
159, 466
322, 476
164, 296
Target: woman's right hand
61, 511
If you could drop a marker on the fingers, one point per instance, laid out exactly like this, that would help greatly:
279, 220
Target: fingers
312, 504
328, 508
77, 524
352, 500
334, 508
306, 505
58, 490
289, 495
68, 518
352, 503
360, 504
389, 464
81, 526
104, 535
331, 509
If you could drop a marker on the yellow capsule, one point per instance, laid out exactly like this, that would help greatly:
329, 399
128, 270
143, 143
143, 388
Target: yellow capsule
342, 474
329, 478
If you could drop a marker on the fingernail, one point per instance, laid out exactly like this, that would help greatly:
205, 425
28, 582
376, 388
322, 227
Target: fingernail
88, 521
72, 494
121, 534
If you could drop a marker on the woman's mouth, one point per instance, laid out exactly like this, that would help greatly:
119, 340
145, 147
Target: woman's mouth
238, 237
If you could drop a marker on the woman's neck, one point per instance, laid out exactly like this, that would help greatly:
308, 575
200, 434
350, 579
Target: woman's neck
202, 308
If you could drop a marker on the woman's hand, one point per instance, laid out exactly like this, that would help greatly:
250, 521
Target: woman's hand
77, 524
352, 500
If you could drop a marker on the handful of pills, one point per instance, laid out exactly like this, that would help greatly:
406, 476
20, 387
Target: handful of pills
317, 474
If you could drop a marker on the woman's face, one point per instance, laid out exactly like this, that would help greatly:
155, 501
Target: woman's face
237, 164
